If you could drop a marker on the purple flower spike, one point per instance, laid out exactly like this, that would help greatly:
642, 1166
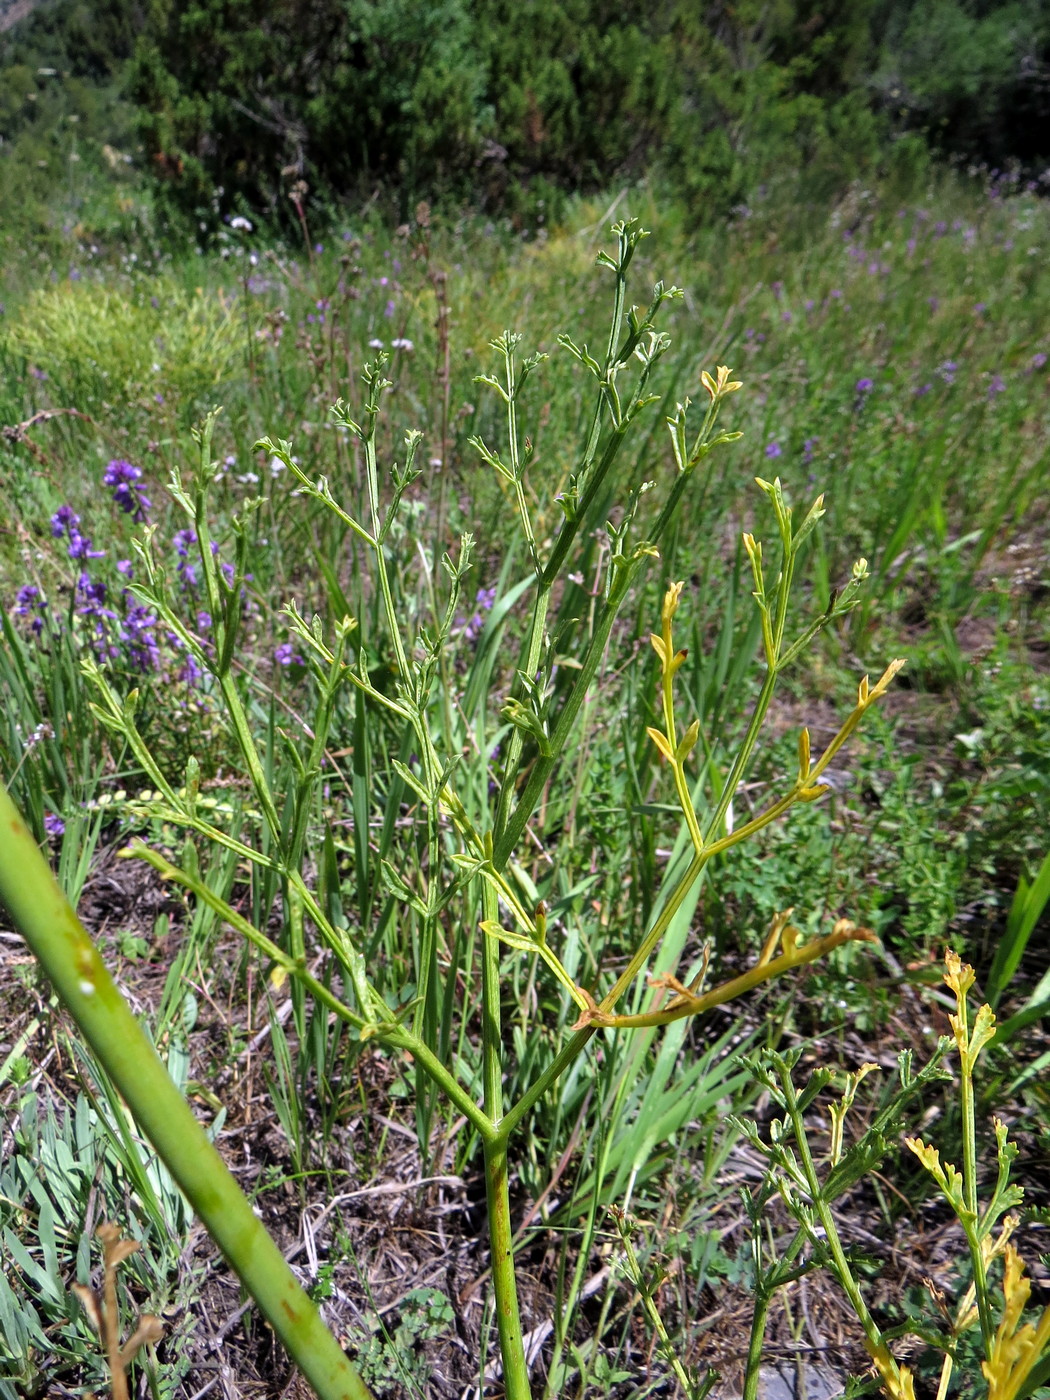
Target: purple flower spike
27, 598
64, 521
129, 496
31, 603
774, 449
80, 547
54, 826
864, 386
472, 627
138, 633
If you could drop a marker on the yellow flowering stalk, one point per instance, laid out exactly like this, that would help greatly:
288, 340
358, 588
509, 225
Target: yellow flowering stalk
1017, 1348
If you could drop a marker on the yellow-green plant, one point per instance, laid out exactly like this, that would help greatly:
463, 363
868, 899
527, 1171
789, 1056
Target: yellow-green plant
1014, 1351
395, 672
98, 343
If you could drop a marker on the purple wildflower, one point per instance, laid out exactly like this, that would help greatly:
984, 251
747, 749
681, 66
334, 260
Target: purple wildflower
54, 825
947, 371
184, 541
64, 521
80, 547
774, 449
27, 598
1038, 360
808, 449
191, 672
93, 606
30, 602
484, 600
129, 496
996, 386
286, 655
864, 386
138, 633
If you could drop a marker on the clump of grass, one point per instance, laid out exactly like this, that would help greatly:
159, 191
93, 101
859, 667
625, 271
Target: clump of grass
97, 344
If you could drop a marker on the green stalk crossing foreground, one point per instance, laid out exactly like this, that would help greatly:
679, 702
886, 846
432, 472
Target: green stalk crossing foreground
59, 941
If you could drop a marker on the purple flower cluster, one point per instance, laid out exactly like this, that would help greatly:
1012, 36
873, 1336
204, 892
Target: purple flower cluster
120, 627
128, 494
186, 570
286, 655
65, 524
30, 602
484, 600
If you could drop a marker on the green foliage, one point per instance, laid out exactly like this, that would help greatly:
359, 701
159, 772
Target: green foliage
101, 344
66, 1168
969, 75
392, 1362
497, 103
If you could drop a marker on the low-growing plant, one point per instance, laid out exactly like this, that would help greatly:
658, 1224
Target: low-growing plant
476, 948
104, 344
1012, 1355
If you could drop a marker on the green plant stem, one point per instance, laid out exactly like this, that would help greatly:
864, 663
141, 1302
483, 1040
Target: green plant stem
504, 1278
843, 1272
969, 1146
497, 1185
544, 764
753, 1373
72, 963
391, 1034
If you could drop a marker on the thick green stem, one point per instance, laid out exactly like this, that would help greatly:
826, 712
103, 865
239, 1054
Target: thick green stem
753, 1374
77, 973
504, 1279
497, 1186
